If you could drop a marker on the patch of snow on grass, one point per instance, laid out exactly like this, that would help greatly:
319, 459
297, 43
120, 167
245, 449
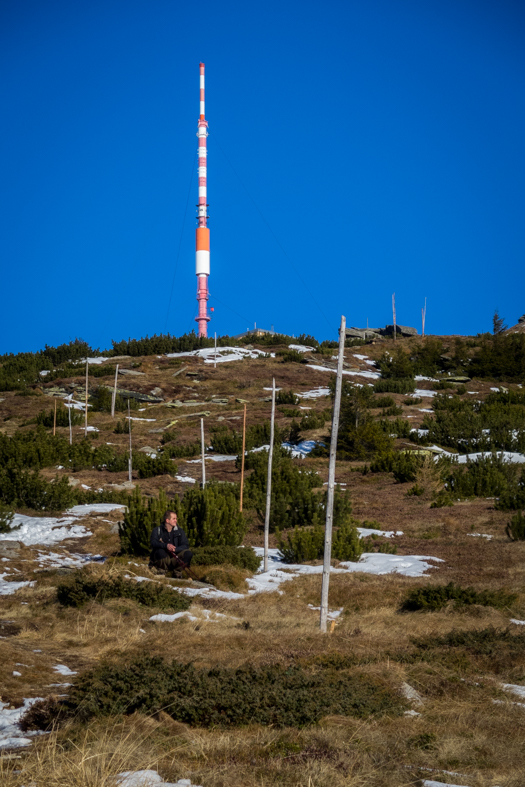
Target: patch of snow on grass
148, 779
185, 479
333, 615
479, 535
369, 531
11, 736
371, 375
301, 348
224, 354
316, 393
31, 530
8, 588
63, 670
419, 393
517, 622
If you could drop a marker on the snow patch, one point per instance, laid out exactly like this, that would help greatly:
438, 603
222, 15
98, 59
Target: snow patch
11, 736
224, 354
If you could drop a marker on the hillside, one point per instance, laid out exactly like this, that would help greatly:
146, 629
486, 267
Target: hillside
420, 679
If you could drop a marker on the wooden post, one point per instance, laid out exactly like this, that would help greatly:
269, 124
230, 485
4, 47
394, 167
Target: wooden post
242, 455
203, 458
331, 480
215, 356
114, 396
423, 317
69, 414
55, 420
269, 482
130, 460
394, 313
85, 422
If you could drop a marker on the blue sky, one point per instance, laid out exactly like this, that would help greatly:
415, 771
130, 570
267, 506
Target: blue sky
356, 149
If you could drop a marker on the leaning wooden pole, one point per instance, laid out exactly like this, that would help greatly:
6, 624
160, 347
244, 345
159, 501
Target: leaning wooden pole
114, 396
87, 380
331, 478
55, 420
203, 456
269, 482
242, 456
130, 460
394, 314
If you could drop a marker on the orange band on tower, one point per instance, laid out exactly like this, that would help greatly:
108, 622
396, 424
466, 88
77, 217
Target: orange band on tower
203, 239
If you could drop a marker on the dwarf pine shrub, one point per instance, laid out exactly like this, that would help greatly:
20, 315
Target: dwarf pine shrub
397, 366
286, 397
82, 587
46, 417
390, 385
435, 597
239, 557
209, 517
290, 356
220, 696
304, 544
6, 518
516, 527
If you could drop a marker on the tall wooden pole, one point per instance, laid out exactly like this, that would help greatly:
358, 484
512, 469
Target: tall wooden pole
423, 317
203, 458
87, 376
269, 482
114, 396
130, 460
331, 479
215, 356
394, 314
242, 455
69, 417
55, 420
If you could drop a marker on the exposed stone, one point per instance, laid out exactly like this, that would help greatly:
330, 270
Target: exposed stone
156, 392
132, 372
182, 369
9, 548
73, 481
147, 449
457, 379
140, 397
403, 330
522, 319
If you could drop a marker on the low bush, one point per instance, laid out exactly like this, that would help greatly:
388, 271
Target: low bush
6, 518
25, 488
516, 527
402, 464
492, 642
291, 412
290, 356
179, 451
436, 597
399, 427
220, 696
397, 366
82, 587
305, 544
233, 556
46, 417
286, 397
402, 386
313, 421
101, 399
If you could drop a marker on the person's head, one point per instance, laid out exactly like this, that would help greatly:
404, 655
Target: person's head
170, 520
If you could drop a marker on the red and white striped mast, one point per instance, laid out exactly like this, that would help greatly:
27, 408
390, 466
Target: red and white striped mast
202, 253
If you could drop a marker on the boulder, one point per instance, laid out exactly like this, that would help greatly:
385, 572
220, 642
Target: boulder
131, 372
9, 548
522, 319
402, 330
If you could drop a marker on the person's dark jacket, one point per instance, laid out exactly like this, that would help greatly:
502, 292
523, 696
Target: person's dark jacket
160, 538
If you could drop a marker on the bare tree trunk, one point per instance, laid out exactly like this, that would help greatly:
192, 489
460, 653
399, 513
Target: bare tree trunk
269, 482
242, 455
55, 420
69, 416
114, 396
394, 314
215, 356
203, 458
331, 480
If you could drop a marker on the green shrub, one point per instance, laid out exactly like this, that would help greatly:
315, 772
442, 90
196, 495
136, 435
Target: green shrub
397, 366
383, 401
516, 527
101, 399
180, 451
221, 696
313, 420
291, 412
290, 356
122, 427
402, 464
399, 427
25, 488
286, 397
497, 644
81, 587
6, 518
391, 385
435, 597
46, 417
488, 476
209, 517
499, 358
227, 441
304, 544
239, 557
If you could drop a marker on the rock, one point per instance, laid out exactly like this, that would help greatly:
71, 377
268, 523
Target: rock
522, 319
156, 392
182, 369
219, 401
362, 333
122, 487
457, 379
147, 449
114, 529
140, 397
220, 418
157, 431
131, 372
9, 548
403, 330
245, 401
73, 481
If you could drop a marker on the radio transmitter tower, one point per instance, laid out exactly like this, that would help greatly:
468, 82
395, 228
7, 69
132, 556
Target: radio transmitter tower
202, 255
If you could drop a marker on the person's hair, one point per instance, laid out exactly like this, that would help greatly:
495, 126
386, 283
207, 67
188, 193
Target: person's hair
167, 516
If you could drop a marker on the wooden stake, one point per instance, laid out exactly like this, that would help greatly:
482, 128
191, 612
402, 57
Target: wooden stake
202, 451
130, 460
269, 482
215, 356
331, 479
394, 313
55, 420
114, 397
85, 423
242, 455
423, 317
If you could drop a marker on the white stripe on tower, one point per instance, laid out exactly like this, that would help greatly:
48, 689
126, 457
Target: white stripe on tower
202, 253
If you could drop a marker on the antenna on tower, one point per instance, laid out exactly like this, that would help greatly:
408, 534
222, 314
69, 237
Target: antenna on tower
202, 244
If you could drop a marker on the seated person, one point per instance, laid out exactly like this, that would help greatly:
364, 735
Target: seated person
169, 542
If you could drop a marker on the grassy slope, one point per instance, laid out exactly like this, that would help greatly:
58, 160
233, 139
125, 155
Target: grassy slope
459, 728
